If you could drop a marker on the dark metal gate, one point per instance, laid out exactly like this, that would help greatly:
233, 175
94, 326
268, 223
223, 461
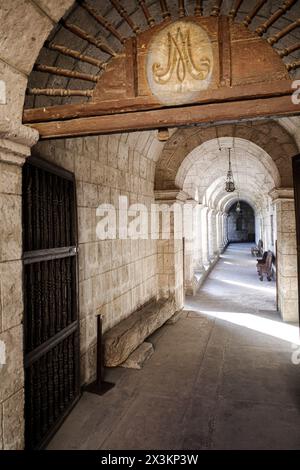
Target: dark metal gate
296, 175
51, 332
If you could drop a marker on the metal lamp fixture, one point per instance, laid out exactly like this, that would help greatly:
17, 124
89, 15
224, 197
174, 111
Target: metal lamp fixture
229, 185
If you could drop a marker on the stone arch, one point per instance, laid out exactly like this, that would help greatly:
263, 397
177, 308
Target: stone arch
25, 27
269, 135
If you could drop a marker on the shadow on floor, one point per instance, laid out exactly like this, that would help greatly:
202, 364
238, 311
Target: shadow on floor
212, 383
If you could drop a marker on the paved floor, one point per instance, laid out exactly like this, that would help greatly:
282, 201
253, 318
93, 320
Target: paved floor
222, 377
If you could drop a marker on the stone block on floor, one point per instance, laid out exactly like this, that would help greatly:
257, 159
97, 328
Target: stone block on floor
137, 359
121, 340
174, 319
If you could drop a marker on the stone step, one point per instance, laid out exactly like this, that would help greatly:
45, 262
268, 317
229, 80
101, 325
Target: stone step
137, 359
174, 318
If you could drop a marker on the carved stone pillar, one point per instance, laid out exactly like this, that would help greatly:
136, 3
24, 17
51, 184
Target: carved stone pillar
192, 244
287, 283
15, 146
170, 249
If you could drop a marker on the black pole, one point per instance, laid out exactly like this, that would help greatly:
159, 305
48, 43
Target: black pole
99, 387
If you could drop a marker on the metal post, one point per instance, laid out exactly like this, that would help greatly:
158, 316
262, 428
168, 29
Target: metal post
99, 387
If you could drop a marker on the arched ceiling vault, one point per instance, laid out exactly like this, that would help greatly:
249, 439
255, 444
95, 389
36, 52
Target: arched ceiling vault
32, 30
251, 193
100, 52
264, 138
94, 31
202, 173
230, 201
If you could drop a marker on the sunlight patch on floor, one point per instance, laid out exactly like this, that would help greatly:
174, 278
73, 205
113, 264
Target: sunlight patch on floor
247, 285
282, 331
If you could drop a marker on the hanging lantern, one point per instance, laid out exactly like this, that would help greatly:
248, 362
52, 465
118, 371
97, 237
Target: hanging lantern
229, 185
238, 207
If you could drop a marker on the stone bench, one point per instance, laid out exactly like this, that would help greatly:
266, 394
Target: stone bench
124, 338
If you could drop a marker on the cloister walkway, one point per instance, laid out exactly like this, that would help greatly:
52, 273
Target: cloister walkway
222, 377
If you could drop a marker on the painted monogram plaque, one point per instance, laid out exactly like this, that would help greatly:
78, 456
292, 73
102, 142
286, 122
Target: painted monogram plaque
179, 62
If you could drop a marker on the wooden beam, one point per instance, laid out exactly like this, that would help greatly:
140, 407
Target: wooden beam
181, 9
198, 8
216, 8
66, 73
288, 50
293, 65
249, 18
224, 51
284, 32
205, 114
75, 54
123, 13
286, 5
235, 8
102, 20
164, 9
150, 19
58, 92
71, 111
81, 33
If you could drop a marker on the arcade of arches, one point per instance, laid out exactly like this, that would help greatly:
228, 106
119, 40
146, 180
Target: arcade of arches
117, 277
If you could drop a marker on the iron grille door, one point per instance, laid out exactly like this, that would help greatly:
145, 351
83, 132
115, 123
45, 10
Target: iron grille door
296, 175
51, 332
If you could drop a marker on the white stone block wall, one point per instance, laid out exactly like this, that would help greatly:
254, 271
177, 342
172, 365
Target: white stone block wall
115, 276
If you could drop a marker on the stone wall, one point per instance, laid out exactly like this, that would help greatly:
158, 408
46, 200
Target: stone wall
115, 276
12, 156
11, 307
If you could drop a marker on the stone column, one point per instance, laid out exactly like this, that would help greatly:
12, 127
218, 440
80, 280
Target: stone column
220, 231
287, 280
171, 250
192, 245
220, 239
204, 232
210, 234
224, 230
198, 238
14, 148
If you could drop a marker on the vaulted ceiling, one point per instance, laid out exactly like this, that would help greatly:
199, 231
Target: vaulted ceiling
94, 31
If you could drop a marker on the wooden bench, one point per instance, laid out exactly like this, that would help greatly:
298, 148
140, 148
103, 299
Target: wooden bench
125, 337
264, 266
257, 250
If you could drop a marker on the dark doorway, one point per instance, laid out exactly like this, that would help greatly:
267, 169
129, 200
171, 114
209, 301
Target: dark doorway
241, 223
51, 332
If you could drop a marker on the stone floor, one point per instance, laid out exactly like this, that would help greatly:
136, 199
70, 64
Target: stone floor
222, 377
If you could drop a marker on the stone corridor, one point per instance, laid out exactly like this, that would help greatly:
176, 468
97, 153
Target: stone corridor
222, 377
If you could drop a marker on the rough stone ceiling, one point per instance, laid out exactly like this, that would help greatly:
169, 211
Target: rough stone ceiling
203, 172
78, 16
